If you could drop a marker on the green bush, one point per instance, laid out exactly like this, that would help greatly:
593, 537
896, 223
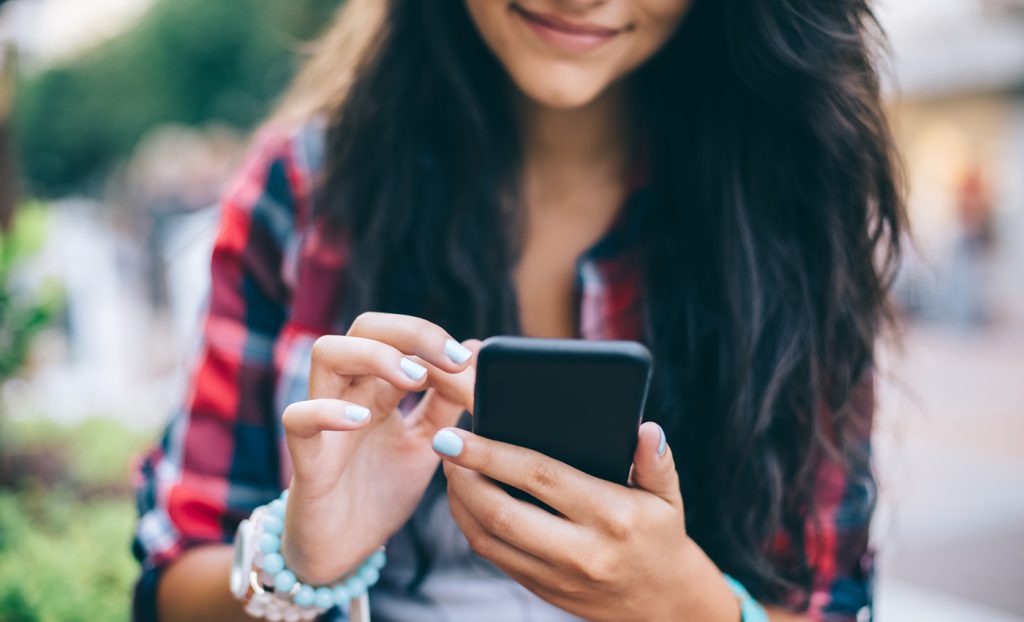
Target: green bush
186, 61
64, 560
65, 536
96, 454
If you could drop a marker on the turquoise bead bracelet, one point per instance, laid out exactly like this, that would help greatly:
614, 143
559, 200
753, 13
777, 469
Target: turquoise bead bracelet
270, 527
750, 609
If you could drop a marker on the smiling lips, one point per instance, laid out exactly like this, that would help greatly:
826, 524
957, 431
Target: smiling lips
565, 35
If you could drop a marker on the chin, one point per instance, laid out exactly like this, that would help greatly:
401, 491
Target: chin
561, 92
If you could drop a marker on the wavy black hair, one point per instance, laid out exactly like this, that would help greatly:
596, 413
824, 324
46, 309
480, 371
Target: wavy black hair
768, 252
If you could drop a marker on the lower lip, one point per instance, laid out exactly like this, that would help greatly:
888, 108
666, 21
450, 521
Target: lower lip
565, 41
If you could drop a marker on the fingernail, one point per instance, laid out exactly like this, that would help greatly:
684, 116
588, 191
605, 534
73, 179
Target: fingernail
448, 443
357, 414
456, 351
412, 369
662, 444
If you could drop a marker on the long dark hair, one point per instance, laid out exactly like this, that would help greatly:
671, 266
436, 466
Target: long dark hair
769, 248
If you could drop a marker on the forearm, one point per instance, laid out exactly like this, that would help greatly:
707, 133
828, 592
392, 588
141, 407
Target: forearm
713, 599
707, 597
195, 587
781, 615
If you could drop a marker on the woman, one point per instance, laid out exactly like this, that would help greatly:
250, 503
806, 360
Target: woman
713, 178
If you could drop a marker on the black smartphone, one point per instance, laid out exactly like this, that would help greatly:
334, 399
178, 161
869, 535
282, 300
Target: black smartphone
577, 401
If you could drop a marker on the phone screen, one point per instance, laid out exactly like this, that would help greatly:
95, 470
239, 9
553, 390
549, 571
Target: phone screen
579, 402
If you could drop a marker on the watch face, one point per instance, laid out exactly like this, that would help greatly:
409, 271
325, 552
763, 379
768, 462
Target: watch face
242, 562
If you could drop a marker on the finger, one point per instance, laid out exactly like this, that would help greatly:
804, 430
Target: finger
449, 396
336, 359
493, 549
309, 418
654, 469
456, 388
570, 491
413, 335
520, 524
434, 412
303, 423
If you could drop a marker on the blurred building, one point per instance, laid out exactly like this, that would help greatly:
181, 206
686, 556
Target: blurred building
957, 93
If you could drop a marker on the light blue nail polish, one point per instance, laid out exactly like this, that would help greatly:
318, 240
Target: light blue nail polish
456, 351
448, 443
662, 444
412, 369
358, 414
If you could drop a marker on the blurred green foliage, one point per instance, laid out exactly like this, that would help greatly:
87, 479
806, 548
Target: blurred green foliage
24, 310
64, 537
186, 61
65, 560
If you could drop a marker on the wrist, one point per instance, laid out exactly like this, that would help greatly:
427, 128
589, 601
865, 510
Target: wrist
267, 587
317, 541
698, 590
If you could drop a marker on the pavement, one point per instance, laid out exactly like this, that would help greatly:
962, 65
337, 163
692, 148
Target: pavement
950, 457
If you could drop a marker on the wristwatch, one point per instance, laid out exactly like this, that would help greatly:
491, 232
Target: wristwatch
258, 598
265, 595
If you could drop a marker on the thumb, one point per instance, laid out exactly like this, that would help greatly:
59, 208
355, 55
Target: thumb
654, 469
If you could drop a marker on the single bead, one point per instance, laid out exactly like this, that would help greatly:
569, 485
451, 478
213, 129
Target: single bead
369, 575
274, 615
292, 615
273, 563
269, 543
284, 581
378, 559
305, 596
273, 524
341, 595
324, 598
276, 508
356, 586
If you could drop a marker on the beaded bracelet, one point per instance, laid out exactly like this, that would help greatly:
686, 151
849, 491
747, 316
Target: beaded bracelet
281, 585
750, 609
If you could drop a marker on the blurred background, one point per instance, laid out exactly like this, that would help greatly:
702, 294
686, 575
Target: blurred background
121, 119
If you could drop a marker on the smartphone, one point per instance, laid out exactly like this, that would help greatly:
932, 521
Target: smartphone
578, 401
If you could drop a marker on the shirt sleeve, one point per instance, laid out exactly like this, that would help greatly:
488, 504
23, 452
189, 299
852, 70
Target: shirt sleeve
836, 533
219, 456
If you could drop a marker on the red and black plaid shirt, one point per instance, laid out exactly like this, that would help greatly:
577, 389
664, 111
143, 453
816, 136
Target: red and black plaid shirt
275, 289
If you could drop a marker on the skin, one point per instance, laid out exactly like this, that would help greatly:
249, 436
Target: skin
614, 552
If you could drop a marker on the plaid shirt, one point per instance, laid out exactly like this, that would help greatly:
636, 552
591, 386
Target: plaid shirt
275, 289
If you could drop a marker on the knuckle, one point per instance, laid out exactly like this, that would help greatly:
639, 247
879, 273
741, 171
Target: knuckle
620, 521
541, 475
598, 568
481, 544
320, 349
362, 322
498, 519
289, 417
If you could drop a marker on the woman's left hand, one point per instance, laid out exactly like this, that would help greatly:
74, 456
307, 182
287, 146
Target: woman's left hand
615, 552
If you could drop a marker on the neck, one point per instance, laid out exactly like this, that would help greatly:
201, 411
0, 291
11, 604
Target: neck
563, 148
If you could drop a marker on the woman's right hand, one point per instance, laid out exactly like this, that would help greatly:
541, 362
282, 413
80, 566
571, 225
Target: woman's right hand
357, 476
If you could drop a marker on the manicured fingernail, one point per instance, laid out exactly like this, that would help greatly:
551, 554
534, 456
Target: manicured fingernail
358, 414
412, 369
456, 351
448, 443
662, 444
